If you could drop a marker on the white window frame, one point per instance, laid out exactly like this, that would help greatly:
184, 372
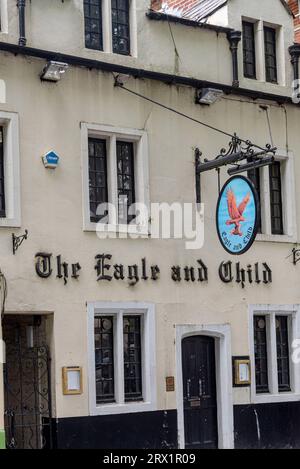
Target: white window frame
10, 123
288, 201
118, 311
271, 311
141, 175
260, 52
3, 17
107, 29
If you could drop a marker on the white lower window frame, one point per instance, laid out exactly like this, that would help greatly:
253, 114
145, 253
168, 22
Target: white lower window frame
288, 201
118, 310
271, 311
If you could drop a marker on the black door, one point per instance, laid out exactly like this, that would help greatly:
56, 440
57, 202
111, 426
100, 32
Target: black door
199, 393
27, 383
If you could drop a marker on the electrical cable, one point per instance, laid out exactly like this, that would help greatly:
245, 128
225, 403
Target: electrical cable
175, 111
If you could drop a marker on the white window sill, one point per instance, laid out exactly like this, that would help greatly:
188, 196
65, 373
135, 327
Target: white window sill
136, 230
94, 52
275, 398
10, 223
266, 238
115, 409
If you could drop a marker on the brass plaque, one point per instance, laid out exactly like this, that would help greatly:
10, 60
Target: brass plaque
170, 384
196, 403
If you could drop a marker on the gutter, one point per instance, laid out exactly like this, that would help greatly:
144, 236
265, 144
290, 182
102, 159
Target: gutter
169, 79
154, 15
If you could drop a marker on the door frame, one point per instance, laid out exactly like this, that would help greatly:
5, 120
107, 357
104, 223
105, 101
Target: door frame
222, 335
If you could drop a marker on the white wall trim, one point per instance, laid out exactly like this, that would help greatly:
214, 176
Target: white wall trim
222, 335
10, 123
270, 311
111, 134
3, 17
147, 311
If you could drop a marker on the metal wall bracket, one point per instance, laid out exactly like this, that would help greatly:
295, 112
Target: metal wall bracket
238, 152
296, 256
18, 240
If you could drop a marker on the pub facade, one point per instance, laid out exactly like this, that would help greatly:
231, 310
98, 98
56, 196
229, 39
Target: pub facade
116, 336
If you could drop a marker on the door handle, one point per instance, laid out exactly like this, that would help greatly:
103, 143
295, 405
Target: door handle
200, 388
188, 388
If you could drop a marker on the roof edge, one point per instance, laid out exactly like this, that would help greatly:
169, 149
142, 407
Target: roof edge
158, 16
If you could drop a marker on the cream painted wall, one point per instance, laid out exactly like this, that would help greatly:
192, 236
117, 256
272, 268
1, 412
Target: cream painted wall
50, 117
203, 54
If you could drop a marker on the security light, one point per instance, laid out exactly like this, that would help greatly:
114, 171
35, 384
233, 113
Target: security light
53, 71
209, 96
248, 167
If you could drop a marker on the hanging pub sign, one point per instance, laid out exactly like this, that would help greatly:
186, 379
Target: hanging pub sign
237, 215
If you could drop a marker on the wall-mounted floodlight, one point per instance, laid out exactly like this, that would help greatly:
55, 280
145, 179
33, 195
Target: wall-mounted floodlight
209, 96
248, 167
54, 71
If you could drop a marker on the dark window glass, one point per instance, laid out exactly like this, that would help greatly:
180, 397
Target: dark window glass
126, 184
283, 361
276, 199
93, 24
270, 55
2, 182
120, 26
104, 360
254, 176
132, 358
249, 50
261, 356
97, 177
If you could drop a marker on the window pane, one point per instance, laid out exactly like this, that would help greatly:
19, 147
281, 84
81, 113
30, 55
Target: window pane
283, 359
270, 55
261, 357
126, 184
104, 360
120, 27
93, 24
249, 50
2, 183
97, 177
132, 358
254, 176
276, 199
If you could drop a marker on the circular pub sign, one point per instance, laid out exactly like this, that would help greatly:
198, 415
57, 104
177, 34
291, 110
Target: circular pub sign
238, 215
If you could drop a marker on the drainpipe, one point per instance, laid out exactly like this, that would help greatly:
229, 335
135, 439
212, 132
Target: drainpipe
234, 38
22, 37
295, 54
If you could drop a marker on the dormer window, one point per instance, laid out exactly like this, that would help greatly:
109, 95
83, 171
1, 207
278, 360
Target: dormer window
108, 26
120, 26
270, 54
263, 46
249, 50
93, 24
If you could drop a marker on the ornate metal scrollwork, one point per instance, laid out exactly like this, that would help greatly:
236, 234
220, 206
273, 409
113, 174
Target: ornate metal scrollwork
18, 240
239, 150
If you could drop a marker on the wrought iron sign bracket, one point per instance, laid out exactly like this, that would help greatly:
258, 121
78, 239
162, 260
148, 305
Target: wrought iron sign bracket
18, 240
238, 152
296, 256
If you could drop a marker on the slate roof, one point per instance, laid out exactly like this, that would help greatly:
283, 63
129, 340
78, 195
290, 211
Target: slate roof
197, 10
